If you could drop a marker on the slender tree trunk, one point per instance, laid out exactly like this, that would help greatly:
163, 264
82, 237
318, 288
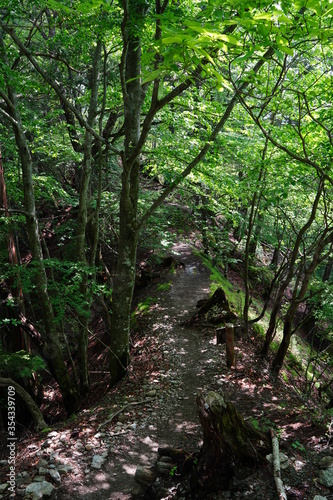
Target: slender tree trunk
84, 316
290, 274
298, 296
52, 350
28, 401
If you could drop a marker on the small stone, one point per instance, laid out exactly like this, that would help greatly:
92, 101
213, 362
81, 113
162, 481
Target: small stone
42, 463
53, 434
63, 438
86, 471
97, 461
151, 393
326, 462
35, 491
54, 474
319, 497
64, 468
39, 479
326, 477
4, 486
42, 471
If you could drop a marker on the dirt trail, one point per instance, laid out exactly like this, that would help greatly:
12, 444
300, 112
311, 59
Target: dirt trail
171, 363
170, 418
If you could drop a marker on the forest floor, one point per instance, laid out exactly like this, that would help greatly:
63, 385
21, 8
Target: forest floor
155, 406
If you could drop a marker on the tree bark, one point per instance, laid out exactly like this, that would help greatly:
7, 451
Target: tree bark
298, 296
84, 316
52, 351
227, 439
292, 263
133, 96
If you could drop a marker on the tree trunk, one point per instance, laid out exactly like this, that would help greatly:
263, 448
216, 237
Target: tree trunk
52, 351
133, 96
28, 401
324, 240
291, 271
84, 316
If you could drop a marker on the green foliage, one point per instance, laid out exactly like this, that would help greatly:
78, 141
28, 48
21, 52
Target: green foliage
173, 471
235, 297
298, 446
164, 287
19, 364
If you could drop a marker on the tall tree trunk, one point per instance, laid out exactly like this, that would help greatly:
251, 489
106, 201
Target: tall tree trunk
133, 96
84, 315
52, 351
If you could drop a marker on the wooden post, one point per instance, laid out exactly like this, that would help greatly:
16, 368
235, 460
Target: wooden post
230, 346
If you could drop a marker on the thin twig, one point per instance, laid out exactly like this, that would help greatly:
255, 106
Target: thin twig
121, 410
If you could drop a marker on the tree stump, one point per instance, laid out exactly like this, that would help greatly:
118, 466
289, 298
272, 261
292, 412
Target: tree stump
227, 440
218, 299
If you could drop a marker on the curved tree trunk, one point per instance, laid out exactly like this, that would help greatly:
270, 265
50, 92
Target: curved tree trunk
28, 401
292, 263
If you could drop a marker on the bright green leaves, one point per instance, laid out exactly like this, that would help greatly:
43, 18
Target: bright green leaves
19, 364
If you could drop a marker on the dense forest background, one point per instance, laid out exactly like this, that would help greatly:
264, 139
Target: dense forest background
126, 125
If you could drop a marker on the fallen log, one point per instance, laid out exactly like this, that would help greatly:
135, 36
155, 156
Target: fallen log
276, 467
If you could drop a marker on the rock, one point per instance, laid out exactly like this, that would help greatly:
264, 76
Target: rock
97, 461
144, 475
35, 491
4, 486
64, 468
54, 474
164, 468
53, 434
39, 479
326, 462
319, 497
42, 471
46, 443
326, 477
89, 447
42, 463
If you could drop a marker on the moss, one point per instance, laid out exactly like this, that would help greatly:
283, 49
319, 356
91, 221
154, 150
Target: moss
235, 297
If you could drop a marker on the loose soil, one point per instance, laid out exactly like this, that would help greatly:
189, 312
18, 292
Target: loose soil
171, 364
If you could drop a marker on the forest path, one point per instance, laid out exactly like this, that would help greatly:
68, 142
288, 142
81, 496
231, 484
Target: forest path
189, 360
99, 451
